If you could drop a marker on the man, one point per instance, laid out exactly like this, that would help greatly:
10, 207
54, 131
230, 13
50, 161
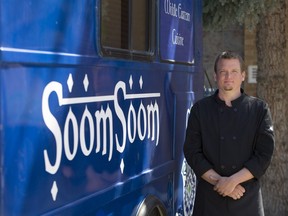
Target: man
229, 145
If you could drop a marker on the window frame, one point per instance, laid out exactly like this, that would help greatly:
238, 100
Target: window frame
143, 55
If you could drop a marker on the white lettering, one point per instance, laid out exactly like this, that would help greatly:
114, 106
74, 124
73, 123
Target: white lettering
170, 8
86, 115
70, 118
131, 135
52, 124
183, 14
102, 116
142, 122
143, 112
121, 116
176, 39
153, 113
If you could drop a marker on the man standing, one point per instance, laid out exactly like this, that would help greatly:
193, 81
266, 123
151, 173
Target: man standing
229, 145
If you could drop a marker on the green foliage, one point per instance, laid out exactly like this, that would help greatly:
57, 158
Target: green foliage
222, 13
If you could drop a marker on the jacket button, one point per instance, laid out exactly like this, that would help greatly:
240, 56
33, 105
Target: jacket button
222, 167
233, 167
234, 137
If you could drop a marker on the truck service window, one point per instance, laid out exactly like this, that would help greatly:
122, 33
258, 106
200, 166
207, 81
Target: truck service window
126, 28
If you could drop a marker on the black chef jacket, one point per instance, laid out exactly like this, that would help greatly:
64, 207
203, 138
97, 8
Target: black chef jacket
227, 139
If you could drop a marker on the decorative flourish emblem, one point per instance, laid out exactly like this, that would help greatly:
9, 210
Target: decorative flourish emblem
140, 122
189, 188
189, 183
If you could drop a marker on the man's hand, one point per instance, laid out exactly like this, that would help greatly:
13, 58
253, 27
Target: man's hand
237, 193
225, 186
228, 186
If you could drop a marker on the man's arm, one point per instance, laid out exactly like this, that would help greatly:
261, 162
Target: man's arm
214, 178
226, 185
211, 176
264, 145
193, 149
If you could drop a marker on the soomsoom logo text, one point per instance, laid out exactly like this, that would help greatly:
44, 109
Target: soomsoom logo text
141, 121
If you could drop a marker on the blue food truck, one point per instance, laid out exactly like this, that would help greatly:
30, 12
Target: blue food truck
94, 99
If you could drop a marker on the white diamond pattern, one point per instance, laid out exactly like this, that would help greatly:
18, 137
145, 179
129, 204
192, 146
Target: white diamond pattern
122, 165
70, 82
141, 82
54, 190
86, 82
131, 82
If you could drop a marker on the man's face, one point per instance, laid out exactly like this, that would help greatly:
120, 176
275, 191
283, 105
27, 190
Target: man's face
229, 76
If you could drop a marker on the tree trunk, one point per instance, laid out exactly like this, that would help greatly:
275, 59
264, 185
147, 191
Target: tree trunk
272, 36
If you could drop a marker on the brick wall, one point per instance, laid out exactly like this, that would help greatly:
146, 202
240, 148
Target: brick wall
235, 38
215, 42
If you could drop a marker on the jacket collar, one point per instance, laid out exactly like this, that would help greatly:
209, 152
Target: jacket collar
235, 102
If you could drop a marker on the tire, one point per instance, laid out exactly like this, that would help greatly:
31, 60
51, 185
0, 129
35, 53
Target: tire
151, 206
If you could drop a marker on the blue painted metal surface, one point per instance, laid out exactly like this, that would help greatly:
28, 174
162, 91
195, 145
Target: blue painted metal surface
82, 134
176, 31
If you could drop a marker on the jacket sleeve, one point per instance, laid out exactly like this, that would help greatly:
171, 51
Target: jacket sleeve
263, 145
193, 151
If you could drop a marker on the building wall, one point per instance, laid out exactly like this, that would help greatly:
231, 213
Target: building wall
215, 42
235, 38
